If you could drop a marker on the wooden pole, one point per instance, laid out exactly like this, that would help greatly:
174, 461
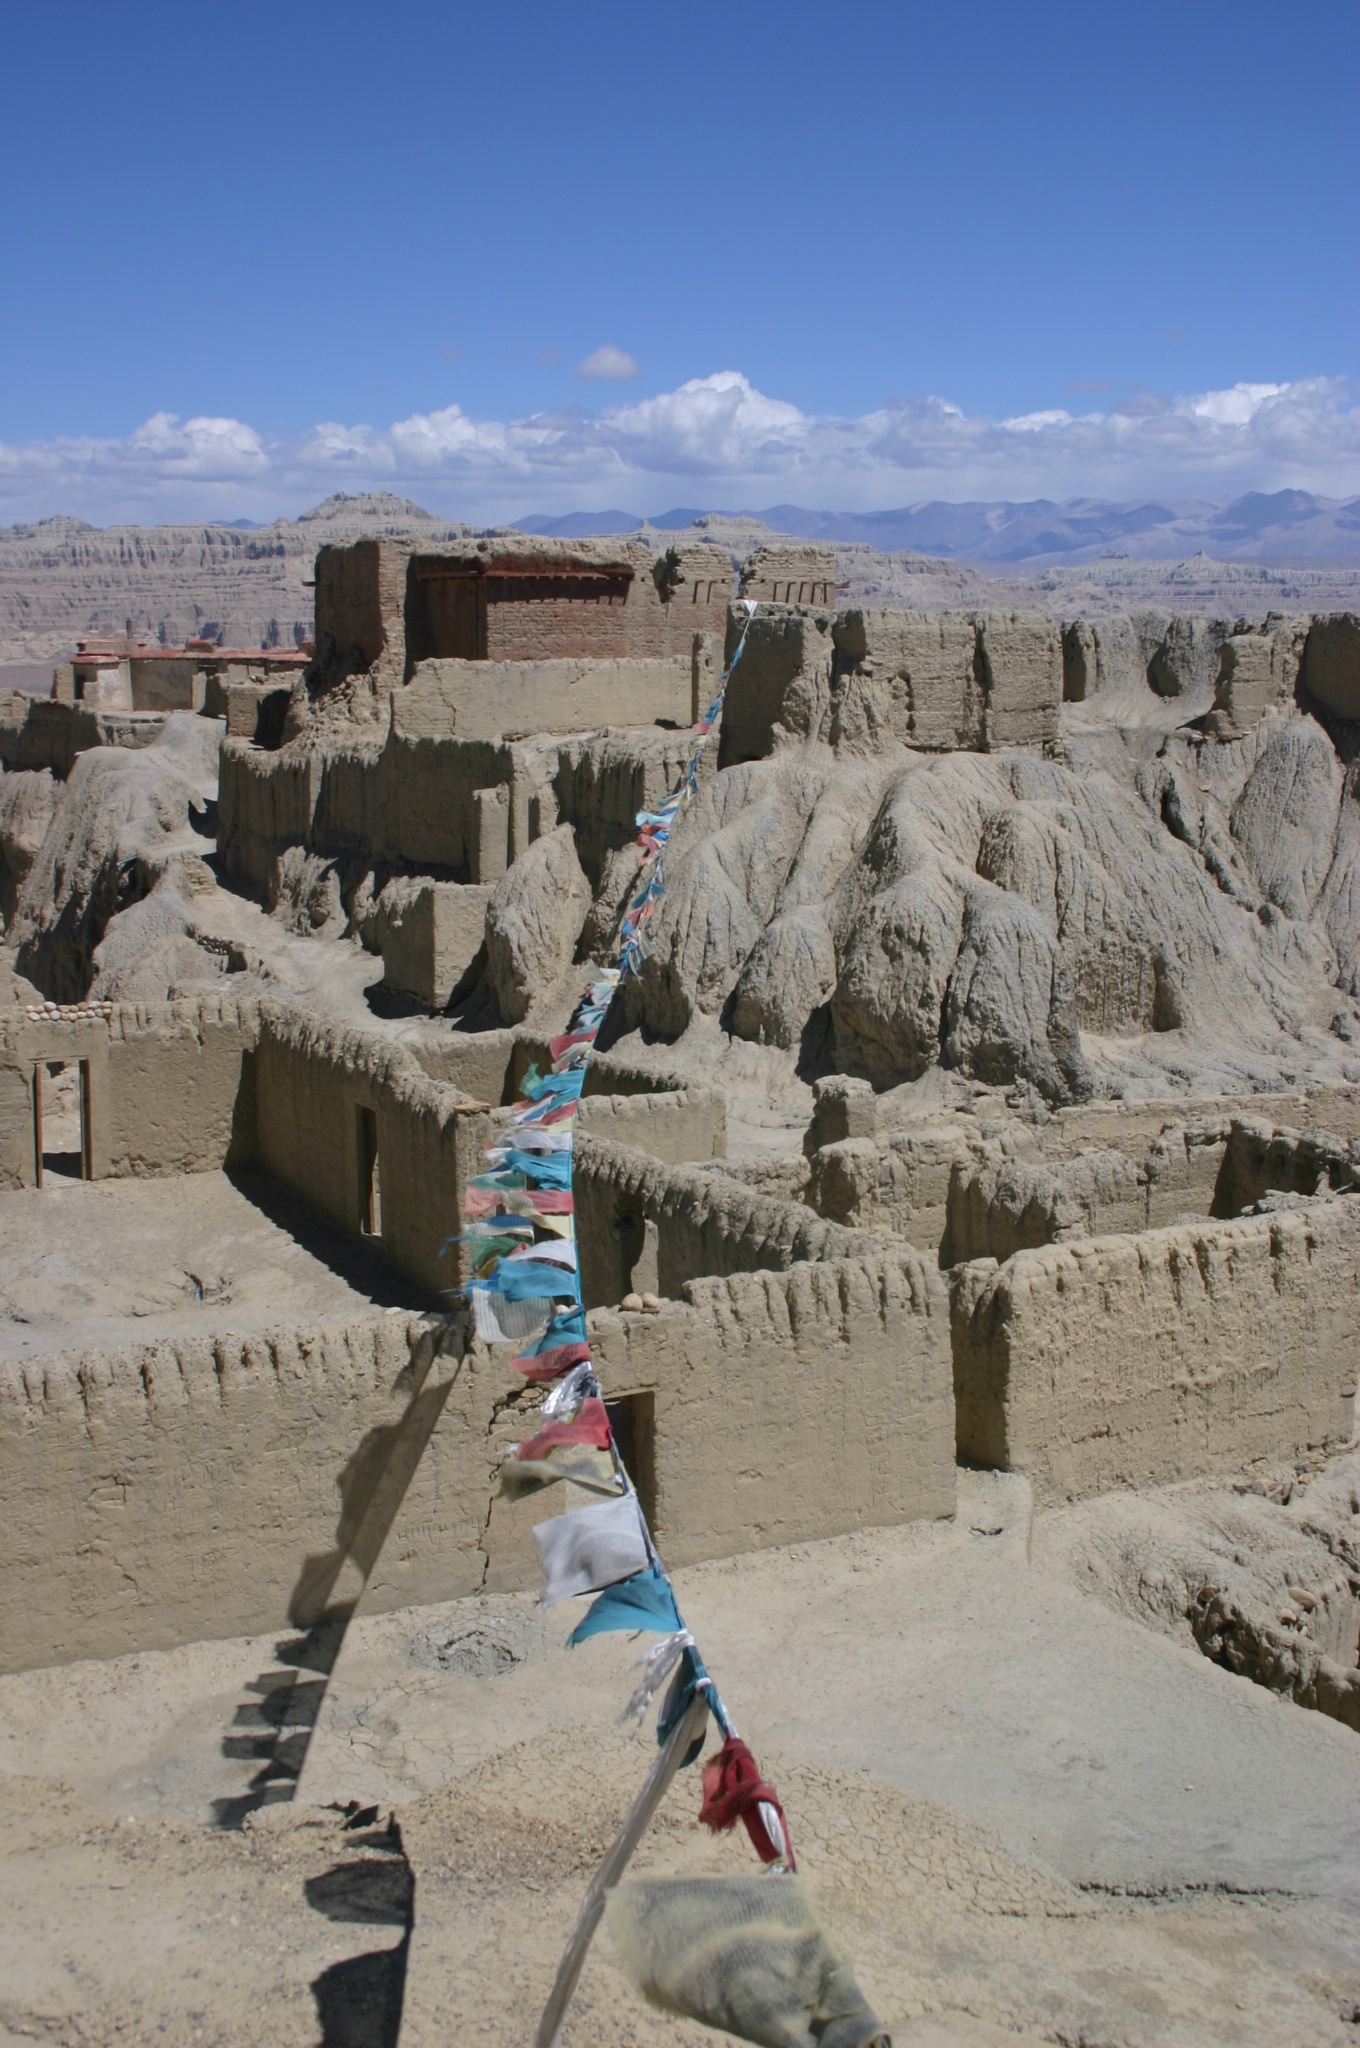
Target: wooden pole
686, 1732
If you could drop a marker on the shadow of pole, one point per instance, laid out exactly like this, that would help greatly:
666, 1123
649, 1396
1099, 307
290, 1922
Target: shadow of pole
276, 1725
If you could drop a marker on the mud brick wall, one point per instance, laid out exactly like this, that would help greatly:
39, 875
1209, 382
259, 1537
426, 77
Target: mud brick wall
832, 1386
702, 1224
865, 680
218, 1486
1140, 1361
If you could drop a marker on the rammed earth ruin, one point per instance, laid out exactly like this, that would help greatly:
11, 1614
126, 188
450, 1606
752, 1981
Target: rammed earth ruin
989, 1101
1061, 1270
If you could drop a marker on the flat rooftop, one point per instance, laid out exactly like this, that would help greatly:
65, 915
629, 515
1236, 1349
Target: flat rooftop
95, 1265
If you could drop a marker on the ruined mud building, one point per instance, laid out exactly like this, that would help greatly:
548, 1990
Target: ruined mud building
1099, 1292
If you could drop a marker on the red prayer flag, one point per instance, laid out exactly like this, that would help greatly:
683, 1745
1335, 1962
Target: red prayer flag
734, 1790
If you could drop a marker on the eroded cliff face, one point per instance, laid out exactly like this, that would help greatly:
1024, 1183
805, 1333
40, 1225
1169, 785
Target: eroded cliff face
63, 580
1021, 919
931, 857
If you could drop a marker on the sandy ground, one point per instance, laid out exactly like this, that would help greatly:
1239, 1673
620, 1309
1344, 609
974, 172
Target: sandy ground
1023, 1816
104, 1263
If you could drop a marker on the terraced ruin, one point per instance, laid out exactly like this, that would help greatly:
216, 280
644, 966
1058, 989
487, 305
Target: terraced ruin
968, 1201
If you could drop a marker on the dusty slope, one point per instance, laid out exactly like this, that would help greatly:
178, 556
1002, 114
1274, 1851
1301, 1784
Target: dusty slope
1024, 1816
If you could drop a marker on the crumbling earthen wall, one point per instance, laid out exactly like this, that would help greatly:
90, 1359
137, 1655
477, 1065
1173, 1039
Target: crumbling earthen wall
360, 600
1261, 1157
790, 572
456, 809
997, 1206
898, 1183
312, 1082
1143, 1360
46, 732
385, 606
232, 1485
703, 1224
760, 1386
221, 1486
180, 1087
863, 681
170, 1086
482, 700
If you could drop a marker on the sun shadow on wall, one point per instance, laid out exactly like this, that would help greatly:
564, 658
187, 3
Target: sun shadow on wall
275, 1725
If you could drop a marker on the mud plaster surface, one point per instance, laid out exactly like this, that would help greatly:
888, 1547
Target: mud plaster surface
104, 1263
1024, 1816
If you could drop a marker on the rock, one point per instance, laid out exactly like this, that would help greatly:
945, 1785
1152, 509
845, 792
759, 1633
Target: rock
120, 819
28, 799
1338, 906
1285, 820
895, 968
1331, 663
149, 949
789, 973
533, 920
1010, 1014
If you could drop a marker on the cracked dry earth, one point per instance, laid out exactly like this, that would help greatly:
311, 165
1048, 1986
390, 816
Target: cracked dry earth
1025, 1815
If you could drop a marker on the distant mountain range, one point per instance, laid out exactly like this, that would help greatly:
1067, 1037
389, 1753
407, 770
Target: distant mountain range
1264, 526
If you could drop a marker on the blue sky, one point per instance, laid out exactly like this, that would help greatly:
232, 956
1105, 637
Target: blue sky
254, 252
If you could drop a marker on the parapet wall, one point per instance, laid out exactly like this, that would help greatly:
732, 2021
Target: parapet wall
223, 1486
232, 1485
1139, 1361
701, 1225
784, 1407
457, 809
482, 700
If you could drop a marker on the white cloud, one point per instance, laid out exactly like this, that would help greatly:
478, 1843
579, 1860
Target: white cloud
715, 440
613, 365
1237, 407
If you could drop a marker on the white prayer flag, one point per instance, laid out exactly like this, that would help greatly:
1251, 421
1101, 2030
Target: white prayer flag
591, 1548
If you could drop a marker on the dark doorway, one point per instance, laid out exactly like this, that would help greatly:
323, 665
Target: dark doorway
61, 1121
632, 1417
370, 1191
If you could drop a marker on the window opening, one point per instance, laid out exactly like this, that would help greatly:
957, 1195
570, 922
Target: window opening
370, 1193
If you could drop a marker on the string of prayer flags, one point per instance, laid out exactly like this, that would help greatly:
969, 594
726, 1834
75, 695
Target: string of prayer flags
596, 1471
656, 1666
705, 1949
643, 1603
747, 1955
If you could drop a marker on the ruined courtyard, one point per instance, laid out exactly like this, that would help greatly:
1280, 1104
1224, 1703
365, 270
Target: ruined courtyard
968, 1211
